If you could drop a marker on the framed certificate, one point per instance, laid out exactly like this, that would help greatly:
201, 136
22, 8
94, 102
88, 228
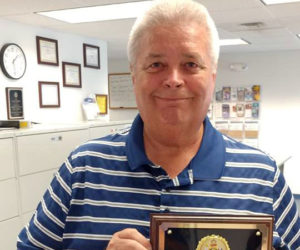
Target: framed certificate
49, 95
205, 232
47, 51
91, 56
14, 103
71, 74
102, 103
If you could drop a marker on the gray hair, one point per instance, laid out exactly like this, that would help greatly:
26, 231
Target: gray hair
170, 12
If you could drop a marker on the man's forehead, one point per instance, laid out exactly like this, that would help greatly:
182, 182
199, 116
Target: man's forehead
192, 55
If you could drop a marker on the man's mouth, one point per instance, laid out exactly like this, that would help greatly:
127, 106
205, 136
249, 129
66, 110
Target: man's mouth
174, 100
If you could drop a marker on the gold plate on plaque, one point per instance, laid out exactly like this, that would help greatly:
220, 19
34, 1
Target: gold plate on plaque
213, 242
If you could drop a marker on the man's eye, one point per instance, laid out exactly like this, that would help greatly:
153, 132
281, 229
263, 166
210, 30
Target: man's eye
192, 65
155, 65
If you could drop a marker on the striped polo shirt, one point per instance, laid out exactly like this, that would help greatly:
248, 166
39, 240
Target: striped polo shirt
109, 184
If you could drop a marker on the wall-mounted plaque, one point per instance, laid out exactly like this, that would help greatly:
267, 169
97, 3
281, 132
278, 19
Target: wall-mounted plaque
71, 74
198, 232
49, 95
91, 56
14, 103
47, 51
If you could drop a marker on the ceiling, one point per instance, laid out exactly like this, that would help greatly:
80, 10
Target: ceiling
278, 31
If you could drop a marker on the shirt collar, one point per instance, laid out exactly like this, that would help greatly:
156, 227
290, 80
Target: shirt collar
135, 149
207, 164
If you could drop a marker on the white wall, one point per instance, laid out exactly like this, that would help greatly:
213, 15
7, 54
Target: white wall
279, 76
70, 50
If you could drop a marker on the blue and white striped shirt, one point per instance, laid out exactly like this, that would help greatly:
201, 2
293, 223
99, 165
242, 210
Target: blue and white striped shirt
108, 184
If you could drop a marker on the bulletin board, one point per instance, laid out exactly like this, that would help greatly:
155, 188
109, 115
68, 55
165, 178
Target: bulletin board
235, 112
121, 94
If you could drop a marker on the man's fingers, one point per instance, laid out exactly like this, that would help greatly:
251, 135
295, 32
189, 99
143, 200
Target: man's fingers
133, 234
119, 244
129, 239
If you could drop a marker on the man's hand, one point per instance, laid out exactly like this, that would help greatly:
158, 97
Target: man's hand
129, 239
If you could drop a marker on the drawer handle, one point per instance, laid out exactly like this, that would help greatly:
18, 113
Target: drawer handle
56, 138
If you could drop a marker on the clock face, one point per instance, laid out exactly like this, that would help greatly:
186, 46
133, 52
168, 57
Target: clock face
12, 61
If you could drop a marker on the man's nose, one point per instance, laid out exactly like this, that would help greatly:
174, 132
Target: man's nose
174, 78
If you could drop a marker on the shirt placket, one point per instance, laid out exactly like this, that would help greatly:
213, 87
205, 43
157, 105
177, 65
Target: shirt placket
168, 202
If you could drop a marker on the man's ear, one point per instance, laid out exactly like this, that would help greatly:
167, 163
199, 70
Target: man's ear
132, 74
213, 80
214, 76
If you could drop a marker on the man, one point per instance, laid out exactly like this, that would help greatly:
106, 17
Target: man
172, 159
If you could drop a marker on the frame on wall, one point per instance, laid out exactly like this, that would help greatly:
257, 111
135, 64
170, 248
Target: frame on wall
102, 103
49, 94
47, 51
91, 56
14, 103
71, 74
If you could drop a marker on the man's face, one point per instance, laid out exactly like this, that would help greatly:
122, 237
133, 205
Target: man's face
173, 78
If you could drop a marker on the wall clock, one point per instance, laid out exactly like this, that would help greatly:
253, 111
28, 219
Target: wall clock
12, 61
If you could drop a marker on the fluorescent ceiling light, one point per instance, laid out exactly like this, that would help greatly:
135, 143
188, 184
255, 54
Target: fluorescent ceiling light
269, 2
99, 13
225, 42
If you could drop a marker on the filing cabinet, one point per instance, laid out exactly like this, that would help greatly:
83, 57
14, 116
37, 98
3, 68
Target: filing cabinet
40, 152
100, 131
7, 158
29, 160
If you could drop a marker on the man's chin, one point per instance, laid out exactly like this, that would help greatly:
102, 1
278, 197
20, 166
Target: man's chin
172, 119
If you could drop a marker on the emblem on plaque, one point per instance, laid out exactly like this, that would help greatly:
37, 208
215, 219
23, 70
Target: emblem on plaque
213, 242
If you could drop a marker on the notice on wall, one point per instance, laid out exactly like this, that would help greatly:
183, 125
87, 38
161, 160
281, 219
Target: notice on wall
236, 130
251, 129
236, 111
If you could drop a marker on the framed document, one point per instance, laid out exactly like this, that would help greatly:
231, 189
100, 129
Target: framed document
91, 56
71, 74
102, 103
49, 95
14, 103
47, 51
205, 232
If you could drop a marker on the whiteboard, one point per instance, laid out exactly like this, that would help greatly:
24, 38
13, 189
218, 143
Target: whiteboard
121, 94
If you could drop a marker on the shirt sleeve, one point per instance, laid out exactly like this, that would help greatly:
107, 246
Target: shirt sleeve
286, 217
46, 227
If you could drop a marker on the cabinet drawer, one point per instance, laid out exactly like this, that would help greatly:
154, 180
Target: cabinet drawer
33, 188
97, 132
7, 159
9, 204
47, 151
